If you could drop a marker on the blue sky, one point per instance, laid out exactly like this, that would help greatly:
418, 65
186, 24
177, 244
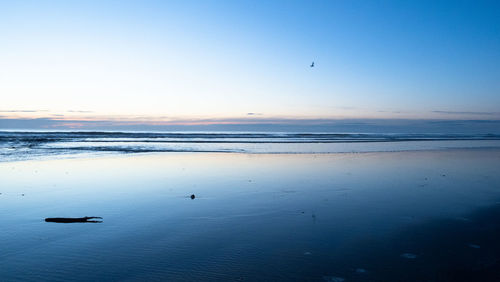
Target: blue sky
161, 62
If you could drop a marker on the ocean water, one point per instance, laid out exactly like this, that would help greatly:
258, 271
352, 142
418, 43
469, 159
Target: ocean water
18, 145
394, 210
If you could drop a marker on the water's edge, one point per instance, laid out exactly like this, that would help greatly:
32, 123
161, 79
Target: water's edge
17, 145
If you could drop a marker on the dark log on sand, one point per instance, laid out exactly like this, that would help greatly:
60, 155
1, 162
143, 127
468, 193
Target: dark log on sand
73, 219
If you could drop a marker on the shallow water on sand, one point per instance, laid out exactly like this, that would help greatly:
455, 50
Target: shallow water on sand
428, 215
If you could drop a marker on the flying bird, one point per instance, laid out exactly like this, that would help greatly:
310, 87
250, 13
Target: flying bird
312, 65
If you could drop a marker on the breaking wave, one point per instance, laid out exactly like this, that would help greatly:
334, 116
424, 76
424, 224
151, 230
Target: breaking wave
17, 145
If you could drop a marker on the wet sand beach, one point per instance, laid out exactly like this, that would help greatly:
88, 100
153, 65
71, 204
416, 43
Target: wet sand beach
377, 216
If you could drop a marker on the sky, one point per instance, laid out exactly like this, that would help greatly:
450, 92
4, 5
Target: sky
68, 64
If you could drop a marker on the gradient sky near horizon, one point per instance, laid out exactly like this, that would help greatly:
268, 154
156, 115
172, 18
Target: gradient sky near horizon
168, 60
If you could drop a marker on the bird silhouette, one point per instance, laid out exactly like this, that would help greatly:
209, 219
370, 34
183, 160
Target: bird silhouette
312, 64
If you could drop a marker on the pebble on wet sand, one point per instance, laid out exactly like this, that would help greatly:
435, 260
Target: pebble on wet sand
333, 278
409, 256
360, 270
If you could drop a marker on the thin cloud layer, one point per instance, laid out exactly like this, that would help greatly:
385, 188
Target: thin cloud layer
80, 111
22, 111
466, 113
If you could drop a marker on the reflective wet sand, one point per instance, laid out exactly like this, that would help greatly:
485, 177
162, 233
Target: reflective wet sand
427, 215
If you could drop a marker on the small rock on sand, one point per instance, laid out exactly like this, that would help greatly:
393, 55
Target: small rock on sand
333, 279
409, 256
360, 270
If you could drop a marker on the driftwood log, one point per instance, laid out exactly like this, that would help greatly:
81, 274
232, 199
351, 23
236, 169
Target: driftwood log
73, 219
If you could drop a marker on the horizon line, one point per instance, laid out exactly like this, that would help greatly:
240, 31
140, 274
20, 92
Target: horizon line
406, 125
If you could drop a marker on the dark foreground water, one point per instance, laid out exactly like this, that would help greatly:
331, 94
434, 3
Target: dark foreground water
386, 216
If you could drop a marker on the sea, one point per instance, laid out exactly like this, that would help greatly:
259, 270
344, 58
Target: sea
23, 145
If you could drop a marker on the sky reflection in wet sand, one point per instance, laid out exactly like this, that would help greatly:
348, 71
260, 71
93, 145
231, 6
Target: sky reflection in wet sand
267, 217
